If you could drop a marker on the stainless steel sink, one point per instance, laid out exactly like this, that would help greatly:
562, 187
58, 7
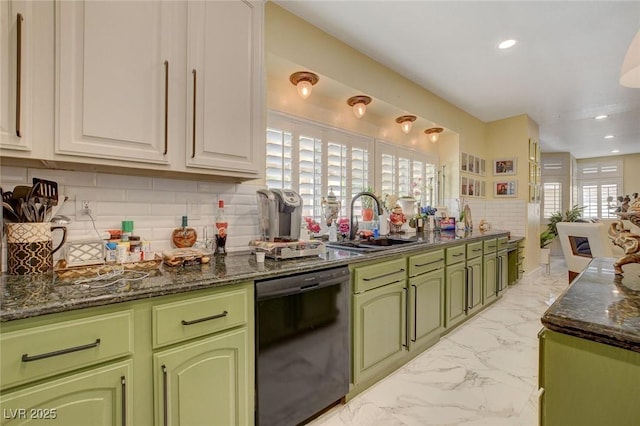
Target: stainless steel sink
367, 246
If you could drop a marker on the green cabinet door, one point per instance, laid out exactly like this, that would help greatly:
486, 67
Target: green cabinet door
426, 308
206, 382
587, 383
456, 294
474, 285
503, 272
380, 334
100, 396
490, 278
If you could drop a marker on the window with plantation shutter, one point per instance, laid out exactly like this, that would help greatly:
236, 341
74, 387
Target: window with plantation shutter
551, 198
313, 159
599, 185
404, 172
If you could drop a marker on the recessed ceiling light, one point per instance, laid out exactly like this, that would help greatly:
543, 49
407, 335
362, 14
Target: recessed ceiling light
615, 151
600, 117
609, 137
507, 44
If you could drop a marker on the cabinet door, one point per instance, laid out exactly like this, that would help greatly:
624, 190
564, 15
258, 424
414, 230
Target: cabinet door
474, 283
503, 272
456, 286
426, 307
101, 397
490, 278
380, 334
16, 72
111, 79
209, 379
225, 128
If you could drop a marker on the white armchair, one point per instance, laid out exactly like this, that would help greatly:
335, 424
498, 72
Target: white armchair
582, 241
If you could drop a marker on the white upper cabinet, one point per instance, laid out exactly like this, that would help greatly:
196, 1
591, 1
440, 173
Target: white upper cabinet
225, 124
16, 74
113, 64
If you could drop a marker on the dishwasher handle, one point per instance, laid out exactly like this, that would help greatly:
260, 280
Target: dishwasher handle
295, 284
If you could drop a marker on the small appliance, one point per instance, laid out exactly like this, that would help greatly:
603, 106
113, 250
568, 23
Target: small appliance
280, 214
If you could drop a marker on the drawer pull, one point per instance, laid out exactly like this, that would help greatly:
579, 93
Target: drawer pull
212, 317
383, 275
476, 249
420, 265
123, 384
27, 358
458, 255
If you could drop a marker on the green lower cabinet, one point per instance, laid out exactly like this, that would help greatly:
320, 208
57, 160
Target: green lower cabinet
502, 272
426, 303
205, 382
474, 285
586, 383
380, 334
456, 294
99, 397
490, 278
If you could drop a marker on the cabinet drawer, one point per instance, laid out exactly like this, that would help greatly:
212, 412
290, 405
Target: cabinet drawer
474, 250
503, 243
425, 262
490, 246
44, 351
177, 321
456, 254
372, 276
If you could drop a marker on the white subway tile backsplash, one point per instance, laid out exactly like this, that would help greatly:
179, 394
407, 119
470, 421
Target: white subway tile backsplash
147, 196
164, 184
104, 180
64, 177
12, 176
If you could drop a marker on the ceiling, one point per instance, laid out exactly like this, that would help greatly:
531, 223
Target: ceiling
563, 71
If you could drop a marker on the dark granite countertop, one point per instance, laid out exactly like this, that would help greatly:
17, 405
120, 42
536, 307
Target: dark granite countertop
600, 306
30, 296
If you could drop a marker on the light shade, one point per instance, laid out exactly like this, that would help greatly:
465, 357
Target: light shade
434, 133
304, 82
359, 104
406, 122
630, 74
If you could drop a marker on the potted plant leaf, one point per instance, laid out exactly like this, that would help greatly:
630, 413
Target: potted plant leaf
550, 234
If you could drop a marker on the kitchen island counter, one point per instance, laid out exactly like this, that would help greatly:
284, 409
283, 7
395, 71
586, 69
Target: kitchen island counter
30, 296
600, 306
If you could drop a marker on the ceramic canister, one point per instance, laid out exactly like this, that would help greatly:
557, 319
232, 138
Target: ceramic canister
29, 247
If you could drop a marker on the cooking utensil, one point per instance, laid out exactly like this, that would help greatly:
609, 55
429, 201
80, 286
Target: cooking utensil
8, 213
46, 192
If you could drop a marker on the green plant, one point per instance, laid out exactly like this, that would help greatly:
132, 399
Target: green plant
549, 234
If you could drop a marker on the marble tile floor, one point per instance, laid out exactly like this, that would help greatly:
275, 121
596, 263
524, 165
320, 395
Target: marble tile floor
484, 372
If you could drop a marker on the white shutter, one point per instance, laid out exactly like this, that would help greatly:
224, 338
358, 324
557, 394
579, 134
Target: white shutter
310, 172
608, 192
278, 171
551, 198
590, 200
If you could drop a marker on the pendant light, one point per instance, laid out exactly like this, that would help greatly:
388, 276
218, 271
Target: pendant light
630, 74
406, 122
359, 104
304, 82
434, 133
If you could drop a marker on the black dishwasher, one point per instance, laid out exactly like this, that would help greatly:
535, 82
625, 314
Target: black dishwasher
302, 345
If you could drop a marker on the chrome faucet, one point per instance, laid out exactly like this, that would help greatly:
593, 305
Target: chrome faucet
353, 226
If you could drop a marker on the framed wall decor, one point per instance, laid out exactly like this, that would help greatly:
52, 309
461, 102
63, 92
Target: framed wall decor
505, 188
504, 166
463, 161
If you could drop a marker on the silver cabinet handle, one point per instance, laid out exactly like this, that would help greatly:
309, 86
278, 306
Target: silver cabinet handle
212, 317
19, 20
466, 287
419, 265
415, 313
29, 358
193, 122
406, 318
123, 385
165, 396
383, 275
166, 107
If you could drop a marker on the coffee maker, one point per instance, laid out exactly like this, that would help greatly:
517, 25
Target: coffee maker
279, 214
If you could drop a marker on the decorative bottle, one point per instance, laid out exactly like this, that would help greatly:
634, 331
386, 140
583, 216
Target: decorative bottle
221, 227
